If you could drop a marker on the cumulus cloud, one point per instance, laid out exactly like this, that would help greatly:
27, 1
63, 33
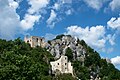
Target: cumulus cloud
37, 5
111, 39
49, 36
29, 21
94, 36
51, 20
13, 4
9, 19
95, 4
114, 23
59, 8
56, 6
114, 5
62, 5
116, 60
33, 14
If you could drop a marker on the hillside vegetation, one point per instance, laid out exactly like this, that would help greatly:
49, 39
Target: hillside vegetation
18, 61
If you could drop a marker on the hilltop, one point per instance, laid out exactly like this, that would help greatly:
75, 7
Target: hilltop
19, 61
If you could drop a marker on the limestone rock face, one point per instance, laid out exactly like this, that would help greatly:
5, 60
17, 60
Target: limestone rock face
57, 47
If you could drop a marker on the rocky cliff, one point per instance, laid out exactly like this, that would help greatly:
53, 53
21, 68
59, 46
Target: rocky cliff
59, 45
86, 61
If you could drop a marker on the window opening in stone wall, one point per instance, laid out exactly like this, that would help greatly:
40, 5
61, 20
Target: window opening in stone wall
36, 39
65, 63
41, 39
65, 58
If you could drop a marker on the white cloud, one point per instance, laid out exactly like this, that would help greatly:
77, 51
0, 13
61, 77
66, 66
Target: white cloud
51, 20
93, 36
116, 60
37, 5
60, 8
56, 6
95, 4
111, 39
9, 19
114, 5
34, 13
69, 12
13, 4
29, 21
114, 23
49, 36
60, 4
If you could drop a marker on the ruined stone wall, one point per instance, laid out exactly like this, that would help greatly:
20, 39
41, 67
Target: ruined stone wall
35, 41
62, 65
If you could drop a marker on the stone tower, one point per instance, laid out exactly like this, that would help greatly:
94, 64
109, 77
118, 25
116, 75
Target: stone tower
35, 41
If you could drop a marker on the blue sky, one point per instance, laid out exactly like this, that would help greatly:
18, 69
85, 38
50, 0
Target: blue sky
95, 21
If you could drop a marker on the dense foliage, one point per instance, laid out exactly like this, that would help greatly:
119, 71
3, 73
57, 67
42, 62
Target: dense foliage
18, 61
69, 54
60, 36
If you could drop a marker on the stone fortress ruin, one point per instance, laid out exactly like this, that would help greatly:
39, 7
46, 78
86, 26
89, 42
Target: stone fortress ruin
35, 41
62, 65
57, 47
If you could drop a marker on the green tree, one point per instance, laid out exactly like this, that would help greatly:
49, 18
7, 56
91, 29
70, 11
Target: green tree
59, 36
69, 54
18, 61
64, 77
